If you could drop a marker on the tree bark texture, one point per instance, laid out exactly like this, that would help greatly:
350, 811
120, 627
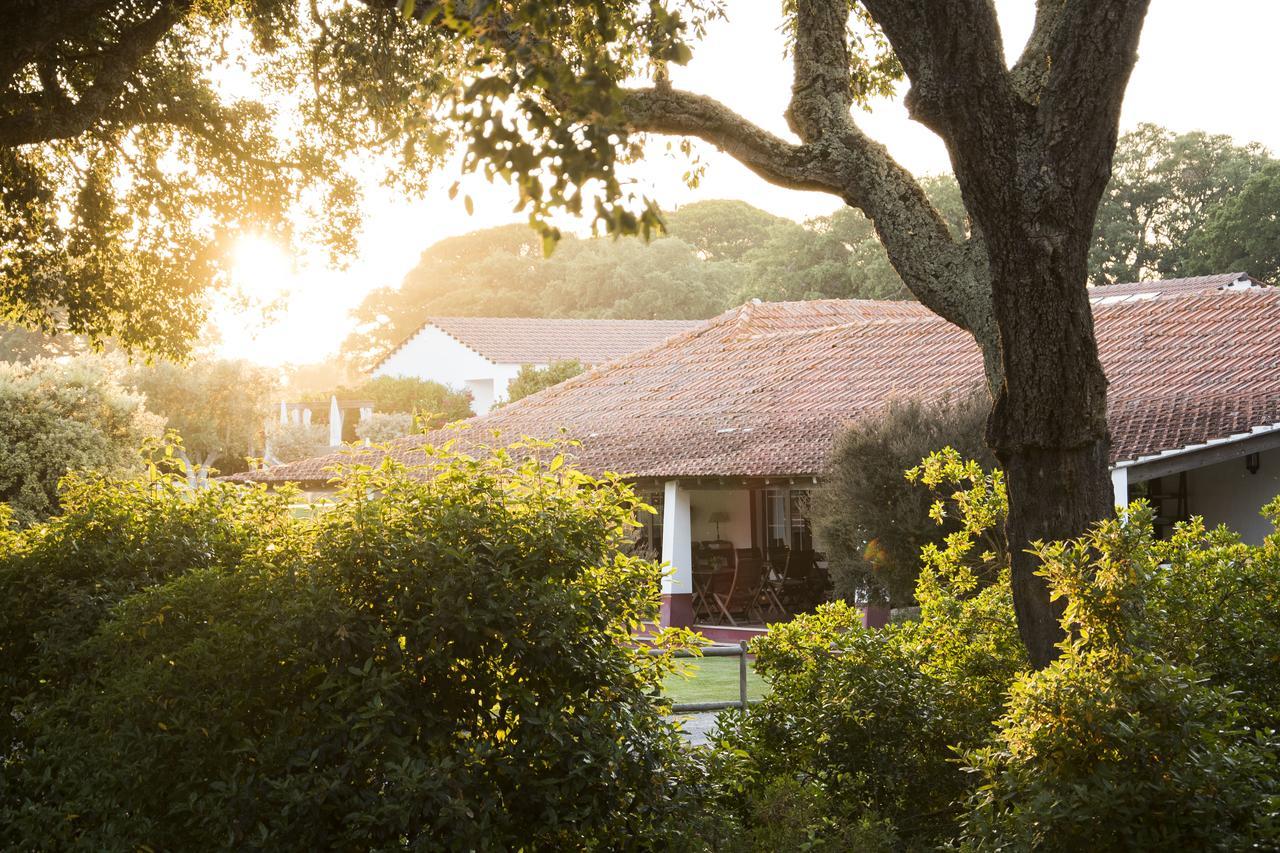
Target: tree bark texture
1031, 146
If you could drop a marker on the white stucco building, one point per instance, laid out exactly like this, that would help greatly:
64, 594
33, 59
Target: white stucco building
483, 354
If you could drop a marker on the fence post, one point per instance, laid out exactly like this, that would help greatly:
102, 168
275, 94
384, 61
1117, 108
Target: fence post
742, 674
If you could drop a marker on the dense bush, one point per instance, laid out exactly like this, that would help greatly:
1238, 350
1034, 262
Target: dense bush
865, 498
1116, 747
869, 719
1154, 730
60, 416
60, 579
290, 442
381, 427
433, 663
433, 403
531, 380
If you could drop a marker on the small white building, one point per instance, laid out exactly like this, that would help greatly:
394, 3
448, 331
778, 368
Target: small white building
483, 354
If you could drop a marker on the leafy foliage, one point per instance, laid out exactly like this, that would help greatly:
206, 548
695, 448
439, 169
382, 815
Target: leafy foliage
872, 520
217, 406
437, 661
869, 718
129, 163
1243, 232
57, 417
1155, 729
1165, 189
290, 442
1120, 744
60, 579
434, 403
531, 380
381, 427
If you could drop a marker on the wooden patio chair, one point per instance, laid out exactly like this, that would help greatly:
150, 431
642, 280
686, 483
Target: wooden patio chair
775, 570
799, 579
739, 593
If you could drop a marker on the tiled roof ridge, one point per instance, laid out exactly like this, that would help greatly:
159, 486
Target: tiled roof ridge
623, 361
497, 318
1165, 282
437, 319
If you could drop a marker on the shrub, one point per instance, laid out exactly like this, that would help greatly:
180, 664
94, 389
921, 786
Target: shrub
290, 442
866, 499
63, 416
381, 427
436, 662
1155, 729
531, 380
869, 719
1113, 747
434, 403
61, 578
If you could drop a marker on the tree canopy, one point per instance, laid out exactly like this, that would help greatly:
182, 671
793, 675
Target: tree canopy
531, 380
1165, 190
218, 407
1243, 231
712, 256
140, 138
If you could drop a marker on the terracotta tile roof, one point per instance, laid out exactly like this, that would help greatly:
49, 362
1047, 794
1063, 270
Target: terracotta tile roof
535, 340
762, 390
1143, 290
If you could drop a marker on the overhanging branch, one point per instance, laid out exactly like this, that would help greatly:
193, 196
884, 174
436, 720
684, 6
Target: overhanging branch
666, 110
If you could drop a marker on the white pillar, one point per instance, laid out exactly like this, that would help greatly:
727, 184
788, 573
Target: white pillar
677, 540
335, 422
1120, 486
306, 416
284, 412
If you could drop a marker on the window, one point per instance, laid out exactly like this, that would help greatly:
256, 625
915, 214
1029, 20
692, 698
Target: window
801, 531
649, 536
785, 519
775, 518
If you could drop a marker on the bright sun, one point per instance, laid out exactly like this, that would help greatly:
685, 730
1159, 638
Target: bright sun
261, 270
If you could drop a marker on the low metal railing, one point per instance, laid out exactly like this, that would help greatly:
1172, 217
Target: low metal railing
716, 651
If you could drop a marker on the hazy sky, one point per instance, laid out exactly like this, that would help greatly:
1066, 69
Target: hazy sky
1201, 66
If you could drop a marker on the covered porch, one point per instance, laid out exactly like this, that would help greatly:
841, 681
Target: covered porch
1226, 481
742, 553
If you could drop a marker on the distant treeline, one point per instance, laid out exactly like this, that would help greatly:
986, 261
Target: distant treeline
1177, 205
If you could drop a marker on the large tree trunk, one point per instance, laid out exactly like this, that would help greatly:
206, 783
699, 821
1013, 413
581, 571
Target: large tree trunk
1048, 425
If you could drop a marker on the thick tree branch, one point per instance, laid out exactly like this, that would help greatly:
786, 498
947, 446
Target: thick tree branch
821, 95
59, 117
1031, 71
662, 109
952, 53
27, 30
1092, 49
945, 276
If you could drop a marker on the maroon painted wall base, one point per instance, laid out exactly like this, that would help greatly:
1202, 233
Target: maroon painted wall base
677, 611
874, 617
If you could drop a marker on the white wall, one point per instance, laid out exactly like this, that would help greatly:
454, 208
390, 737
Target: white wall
736, 502
433, 355
1228, 494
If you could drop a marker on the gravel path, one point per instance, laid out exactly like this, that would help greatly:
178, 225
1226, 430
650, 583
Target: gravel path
697, 728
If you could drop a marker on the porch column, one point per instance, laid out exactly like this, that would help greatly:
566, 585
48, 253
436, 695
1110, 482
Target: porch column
335, 422
677, 552
1120, 486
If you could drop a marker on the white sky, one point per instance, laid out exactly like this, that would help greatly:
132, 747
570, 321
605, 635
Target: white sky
1200, 67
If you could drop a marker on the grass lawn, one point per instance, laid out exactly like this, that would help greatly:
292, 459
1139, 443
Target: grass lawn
712, 680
